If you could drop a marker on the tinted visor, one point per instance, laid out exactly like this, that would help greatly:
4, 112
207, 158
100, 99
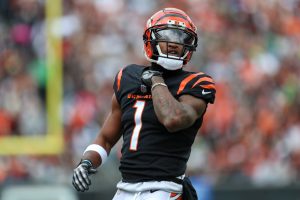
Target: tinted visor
174, 35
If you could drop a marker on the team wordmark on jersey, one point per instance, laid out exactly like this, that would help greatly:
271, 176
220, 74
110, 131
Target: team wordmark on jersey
137, 96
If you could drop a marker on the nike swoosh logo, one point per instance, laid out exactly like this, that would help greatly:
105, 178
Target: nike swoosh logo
204, 93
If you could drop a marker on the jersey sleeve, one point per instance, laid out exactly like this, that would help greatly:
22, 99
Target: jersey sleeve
117, 84
198, 85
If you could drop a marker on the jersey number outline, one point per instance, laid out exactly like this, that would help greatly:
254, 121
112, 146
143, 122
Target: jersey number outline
139, 106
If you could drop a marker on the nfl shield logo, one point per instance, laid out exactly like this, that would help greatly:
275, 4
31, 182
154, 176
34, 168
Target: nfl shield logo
143, 88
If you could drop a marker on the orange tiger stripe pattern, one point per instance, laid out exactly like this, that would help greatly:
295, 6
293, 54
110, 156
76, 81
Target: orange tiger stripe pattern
203, 79
210, 85
119, 79
185, 81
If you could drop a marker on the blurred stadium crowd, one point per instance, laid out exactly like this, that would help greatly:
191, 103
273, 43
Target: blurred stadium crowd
251, 48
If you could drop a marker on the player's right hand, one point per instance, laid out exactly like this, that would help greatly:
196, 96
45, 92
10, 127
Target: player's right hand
81, 180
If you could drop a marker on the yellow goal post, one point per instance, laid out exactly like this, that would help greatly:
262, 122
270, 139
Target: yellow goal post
51, 142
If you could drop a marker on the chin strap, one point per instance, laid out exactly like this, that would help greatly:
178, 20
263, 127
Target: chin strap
169, 63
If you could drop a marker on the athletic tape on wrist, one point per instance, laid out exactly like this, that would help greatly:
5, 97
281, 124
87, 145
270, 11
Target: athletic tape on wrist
100, 150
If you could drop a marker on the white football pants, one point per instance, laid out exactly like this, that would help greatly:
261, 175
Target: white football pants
152, 190
146, 195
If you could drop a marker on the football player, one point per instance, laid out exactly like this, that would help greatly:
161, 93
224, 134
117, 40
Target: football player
158, 110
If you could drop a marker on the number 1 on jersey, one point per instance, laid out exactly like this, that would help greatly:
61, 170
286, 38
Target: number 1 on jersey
139, 105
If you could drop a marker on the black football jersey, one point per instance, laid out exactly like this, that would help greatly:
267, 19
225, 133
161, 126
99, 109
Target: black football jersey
149, 151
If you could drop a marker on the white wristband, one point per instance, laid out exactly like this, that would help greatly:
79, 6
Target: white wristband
100, 150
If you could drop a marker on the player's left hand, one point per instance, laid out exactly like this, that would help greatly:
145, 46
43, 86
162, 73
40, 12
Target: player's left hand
147, 76
81, 180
